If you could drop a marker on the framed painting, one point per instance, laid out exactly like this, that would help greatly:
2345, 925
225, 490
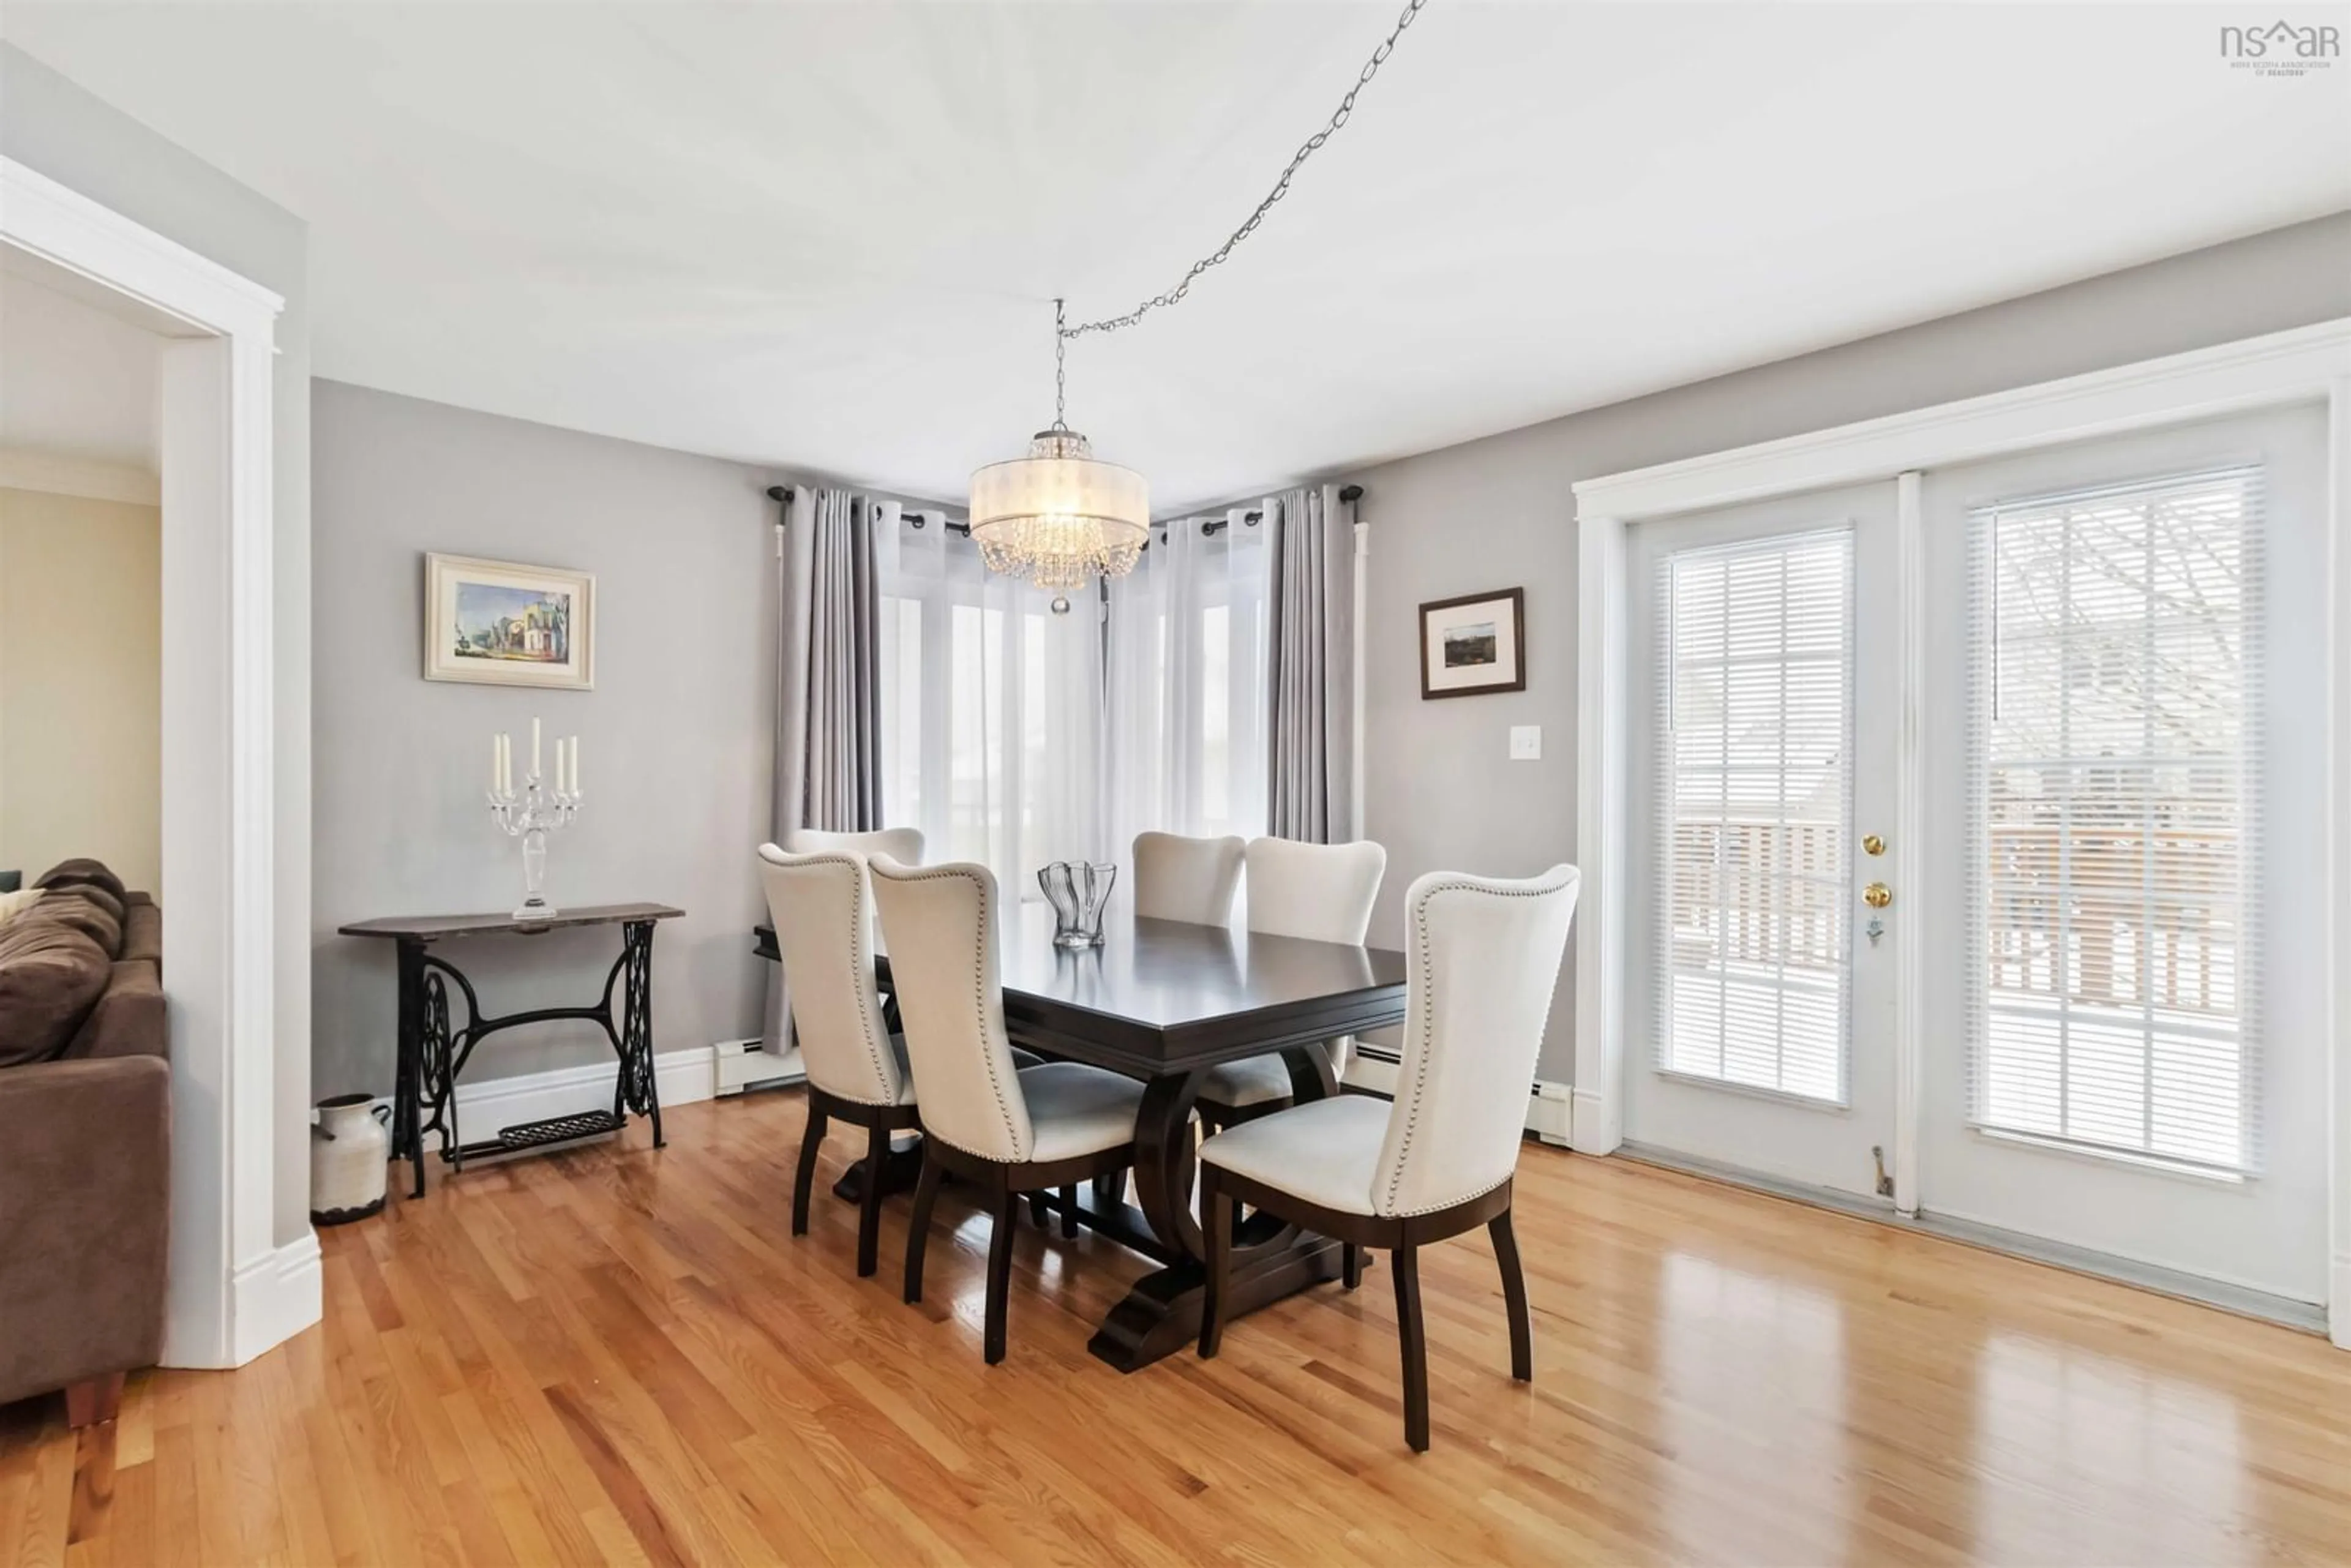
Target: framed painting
1474, 643
500, 623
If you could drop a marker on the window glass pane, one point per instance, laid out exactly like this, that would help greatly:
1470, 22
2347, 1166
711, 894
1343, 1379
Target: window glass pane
2115, 685
1754, 775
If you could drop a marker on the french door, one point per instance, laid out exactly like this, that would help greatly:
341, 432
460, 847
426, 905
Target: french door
2114, 893
2122, 891
1762, 1003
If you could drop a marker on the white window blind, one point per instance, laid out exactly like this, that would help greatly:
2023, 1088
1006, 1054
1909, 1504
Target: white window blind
2115, 819
1754, 779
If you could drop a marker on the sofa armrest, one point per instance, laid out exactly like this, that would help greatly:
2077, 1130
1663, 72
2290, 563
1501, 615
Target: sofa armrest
85, 1219
128, 1020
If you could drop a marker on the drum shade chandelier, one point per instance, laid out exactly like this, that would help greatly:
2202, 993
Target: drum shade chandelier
1060, 516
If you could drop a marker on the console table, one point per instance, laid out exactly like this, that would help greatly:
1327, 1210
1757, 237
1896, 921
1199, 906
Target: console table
432, 1053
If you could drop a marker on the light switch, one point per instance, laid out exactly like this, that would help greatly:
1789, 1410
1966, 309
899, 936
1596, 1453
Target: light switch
1526, 743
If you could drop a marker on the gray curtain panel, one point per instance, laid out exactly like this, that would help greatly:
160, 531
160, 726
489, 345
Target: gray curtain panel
842, 774
1310, 718
828, 762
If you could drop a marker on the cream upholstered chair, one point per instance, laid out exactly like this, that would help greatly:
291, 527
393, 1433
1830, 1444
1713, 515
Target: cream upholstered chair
1009, 1130
904, 845
1322, 892
1187, 878
1484, 954
823, 914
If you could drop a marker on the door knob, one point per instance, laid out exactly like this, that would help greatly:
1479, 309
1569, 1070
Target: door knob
1877, 895
1871, 844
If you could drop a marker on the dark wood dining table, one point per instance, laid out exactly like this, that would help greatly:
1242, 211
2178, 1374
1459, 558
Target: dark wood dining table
1163, 1001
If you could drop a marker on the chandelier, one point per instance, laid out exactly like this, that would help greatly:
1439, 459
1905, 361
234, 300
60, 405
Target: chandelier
1058, 516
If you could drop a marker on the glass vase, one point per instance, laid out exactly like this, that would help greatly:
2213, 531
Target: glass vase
1079, 892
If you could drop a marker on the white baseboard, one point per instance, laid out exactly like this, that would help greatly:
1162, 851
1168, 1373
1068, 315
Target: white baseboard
1547, 1104
272, 1299
2338, 1304
488, 1104
1598, 1127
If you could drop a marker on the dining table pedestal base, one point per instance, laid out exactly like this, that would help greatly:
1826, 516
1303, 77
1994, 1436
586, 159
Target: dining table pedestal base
1161, 1315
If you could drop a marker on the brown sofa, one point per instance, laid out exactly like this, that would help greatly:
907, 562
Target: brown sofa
85, 1140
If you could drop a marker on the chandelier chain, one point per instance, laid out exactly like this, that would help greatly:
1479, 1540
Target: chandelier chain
1311, 145
1061, 370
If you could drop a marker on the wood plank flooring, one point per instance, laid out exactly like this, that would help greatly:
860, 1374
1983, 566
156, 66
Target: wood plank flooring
621, 1355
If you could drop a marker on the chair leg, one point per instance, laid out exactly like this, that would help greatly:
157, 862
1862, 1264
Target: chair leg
1350, 1264
1069, 1213
1038, 1212
869, 1204
1000, 1273
1414, 1338
1514, 1297
918, 1227
811, 1140
1110, 1189
1216, 1217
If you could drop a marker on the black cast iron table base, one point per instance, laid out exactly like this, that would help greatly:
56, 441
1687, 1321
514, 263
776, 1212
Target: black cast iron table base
432, 1053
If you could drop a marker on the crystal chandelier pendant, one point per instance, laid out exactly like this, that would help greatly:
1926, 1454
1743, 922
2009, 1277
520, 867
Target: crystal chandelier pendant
1058, 516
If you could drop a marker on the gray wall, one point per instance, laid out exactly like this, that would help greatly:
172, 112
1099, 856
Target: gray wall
674, 741
1499, 513
50, 125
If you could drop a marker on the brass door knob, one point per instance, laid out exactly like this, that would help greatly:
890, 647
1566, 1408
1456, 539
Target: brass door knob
1871, 844
1877, 895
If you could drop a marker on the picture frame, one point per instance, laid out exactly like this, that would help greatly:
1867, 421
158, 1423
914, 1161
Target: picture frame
1474, 644
504, 624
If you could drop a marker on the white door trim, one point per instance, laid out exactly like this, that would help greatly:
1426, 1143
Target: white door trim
2306, 363
233, 1291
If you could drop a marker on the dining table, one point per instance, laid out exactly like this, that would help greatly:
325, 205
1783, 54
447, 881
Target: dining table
1163, 1001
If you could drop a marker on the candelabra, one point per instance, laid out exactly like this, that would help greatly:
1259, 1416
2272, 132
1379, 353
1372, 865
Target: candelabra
534, 811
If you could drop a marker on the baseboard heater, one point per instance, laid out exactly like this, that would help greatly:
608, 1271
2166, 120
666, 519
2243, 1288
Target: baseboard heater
1373, 1069
743, 1064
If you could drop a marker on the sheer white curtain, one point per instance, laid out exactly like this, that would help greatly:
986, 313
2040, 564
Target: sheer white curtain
991, 708
1186, 684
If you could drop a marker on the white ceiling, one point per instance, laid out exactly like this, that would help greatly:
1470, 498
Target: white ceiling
823, 236
75, 382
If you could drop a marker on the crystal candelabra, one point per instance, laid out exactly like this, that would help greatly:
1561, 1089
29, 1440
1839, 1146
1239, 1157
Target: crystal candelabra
534, 811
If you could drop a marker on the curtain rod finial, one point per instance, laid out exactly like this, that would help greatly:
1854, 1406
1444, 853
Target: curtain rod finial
1351, 494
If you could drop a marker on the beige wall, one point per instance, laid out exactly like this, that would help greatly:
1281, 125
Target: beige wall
81, 684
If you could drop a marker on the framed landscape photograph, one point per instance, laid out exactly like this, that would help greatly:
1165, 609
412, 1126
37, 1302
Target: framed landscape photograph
499, 623
1473, 644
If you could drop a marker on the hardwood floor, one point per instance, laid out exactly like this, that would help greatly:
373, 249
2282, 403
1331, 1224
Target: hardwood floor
618, 1354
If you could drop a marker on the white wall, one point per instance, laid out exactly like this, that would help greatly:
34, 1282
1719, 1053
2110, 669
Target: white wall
1498, 513
55, 128
81, 684
675, 741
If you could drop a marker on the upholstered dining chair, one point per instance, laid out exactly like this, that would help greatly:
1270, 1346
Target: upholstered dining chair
904, 845
822, 910
1187, 878
1484, 954
1322, 892
1007, 1129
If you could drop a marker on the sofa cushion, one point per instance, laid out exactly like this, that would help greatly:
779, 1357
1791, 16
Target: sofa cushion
142, 931
81, 873
88, 910
13, 904
51, 976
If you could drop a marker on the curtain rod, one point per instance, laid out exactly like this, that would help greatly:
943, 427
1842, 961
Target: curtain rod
1350, 493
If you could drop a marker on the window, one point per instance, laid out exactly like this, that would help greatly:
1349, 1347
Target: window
2115, 688
990, 708
1755, 777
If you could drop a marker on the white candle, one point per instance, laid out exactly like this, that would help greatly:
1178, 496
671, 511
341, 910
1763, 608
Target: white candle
534, 748
563, 764
575, 765
506, 763
493, 764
